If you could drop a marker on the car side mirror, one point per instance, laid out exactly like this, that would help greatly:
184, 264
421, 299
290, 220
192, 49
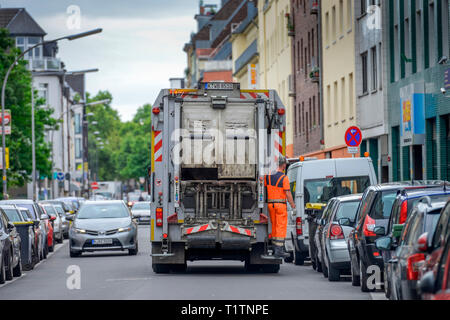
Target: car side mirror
426, 284
345, 222
384, 243
52, 218
422, 243
379, 231
44, 217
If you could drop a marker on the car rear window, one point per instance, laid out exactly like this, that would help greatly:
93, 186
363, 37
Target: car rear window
30, 208
13, 215
432, 220
347, 210
382, 206
141, 206
434, 198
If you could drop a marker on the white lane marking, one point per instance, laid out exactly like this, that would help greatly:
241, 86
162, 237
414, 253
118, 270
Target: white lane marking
378, 296
13, 280
57, 247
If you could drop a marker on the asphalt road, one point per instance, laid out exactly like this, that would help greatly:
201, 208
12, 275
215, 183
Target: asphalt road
120, 276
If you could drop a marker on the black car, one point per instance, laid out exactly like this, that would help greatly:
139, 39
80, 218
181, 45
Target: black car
10, 263
403, 205
407, 257
372, 220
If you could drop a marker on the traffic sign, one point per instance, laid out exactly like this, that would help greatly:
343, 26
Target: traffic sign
60, 176
94, 185
7, 122
353, 137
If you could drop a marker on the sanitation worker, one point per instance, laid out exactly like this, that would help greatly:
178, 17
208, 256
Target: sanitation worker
278, 193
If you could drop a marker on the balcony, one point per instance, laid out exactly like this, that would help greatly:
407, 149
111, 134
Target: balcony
314, 75
44, 64
314, 6
246, 56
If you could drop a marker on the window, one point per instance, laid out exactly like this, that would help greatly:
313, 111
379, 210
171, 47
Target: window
78, 148
327, 28
341, 17
445, 26
374, 68
295, 120
364, 72
350, 94
381, 209
347, 210
329, 104
443, 227
335, 106
408, 51
23, 43
42, 91
333, 23
419, 39
78, 123
314, 111
363, 6
343, 107
432, 36
349, 14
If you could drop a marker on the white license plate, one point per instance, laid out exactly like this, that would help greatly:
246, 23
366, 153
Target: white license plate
102, 241
144, 218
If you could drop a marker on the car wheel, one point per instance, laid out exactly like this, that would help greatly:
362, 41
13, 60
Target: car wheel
387, 287
75, 254
333, 274
17, 271
324, 268
356, 280
319, 264
364, 277
51, 249
133, 252
8, 267
290, 258
299, 259
2, 272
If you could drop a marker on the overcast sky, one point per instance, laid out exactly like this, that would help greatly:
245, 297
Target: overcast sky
140, 48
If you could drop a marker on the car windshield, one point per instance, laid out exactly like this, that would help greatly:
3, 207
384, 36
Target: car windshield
347, 210
141, 206
322, 190
103, 211
13, 215
50, 210
31, 209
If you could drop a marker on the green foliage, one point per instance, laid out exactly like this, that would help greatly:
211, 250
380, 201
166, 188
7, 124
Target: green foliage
18, 100
125, 153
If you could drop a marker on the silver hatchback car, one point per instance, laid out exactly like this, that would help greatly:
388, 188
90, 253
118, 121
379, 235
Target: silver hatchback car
103, 226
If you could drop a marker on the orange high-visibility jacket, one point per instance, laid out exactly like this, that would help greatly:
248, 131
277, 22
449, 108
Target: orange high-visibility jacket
277, 184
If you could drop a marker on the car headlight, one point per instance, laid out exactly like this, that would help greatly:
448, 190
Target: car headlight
124, 229
82, 231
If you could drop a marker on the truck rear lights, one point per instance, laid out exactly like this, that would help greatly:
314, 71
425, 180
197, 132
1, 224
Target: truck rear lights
413, 264
159, 217
369, 226
156, 110
336, 232
165, 235
403, 212
299, 226
281, 112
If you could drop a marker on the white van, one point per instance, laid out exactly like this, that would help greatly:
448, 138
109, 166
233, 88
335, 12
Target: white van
317, 181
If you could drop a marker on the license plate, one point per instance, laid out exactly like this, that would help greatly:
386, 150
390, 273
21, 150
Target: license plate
102, 241
144, 218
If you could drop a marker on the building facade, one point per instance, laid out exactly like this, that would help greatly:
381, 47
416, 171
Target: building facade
304, 28
275, 57
418, 85
370, 82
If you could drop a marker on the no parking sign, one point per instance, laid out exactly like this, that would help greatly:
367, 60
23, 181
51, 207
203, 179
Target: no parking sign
353, 139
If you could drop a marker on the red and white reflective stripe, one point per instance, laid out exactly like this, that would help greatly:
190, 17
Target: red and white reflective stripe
158, 146
277, 144
197, 229
233, 229
254, 95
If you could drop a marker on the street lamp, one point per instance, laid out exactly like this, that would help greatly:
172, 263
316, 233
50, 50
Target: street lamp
5, 80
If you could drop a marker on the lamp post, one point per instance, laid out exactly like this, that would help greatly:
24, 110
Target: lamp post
5, 80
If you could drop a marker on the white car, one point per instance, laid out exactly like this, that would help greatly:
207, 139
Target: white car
141, 211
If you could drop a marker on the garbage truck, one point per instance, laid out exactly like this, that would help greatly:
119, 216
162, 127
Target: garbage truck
211, 148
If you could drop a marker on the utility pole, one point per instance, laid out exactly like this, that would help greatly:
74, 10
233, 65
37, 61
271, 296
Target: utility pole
33, 144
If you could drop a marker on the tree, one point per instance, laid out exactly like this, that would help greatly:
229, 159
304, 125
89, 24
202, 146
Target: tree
18, 100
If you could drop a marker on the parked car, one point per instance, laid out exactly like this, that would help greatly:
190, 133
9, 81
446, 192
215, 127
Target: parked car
38, 215
401, 209
25, 229
337, 226
103, 226
371, 223
317, 181
10, 264
74, 202
435, 243
26, 214
435, 284
65, 224
404, 270
141, 211
55, 220
50, 235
